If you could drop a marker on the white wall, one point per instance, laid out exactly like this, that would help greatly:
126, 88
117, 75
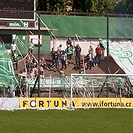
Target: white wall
84, 44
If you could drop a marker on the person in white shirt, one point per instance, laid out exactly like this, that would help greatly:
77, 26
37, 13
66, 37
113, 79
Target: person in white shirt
13, 47
31, 46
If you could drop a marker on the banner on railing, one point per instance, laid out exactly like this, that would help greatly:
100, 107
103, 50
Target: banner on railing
122, 53
51, 82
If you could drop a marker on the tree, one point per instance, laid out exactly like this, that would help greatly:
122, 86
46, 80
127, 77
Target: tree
82, 5
124, 7
52, 5
42, 5
96, 6
103, 6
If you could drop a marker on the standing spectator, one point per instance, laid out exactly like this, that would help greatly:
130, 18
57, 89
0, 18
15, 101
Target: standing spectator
13, 47
11, 88
57, 60
24, 87
28, 65
69, 51
69, 41
15, 59
77, 55
103, 50
63, 59
98, 54
91, 50
31, 46
89, 60
59, 49
53, 56
21, 74
42, 73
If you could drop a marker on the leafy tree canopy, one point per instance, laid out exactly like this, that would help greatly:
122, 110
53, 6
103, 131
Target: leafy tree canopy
95, 6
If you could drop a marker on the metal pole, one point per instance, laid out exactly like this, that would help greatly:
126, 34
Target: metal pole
107, 42
71, 96
50, 86
83, 63
39, 55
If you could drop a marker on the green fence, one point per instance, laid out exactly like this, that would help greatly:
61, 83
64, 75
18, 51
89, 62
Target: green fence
89, 26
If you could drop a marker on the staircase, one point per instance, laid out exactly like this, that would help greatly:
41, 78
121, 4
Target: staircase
101, 69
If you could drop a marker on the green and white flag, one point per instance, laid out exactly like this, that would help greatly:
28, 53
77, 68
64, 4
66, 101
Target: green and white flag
6, 67
122, 53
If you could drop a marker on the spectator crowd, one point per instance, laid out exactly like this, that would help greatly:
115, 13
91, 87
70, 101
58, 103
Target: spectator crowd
60, 59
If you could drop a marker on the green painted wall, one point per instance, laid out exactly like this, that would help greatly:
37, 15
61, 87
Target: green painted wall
23, 44
89, 26
121, 27
85, 26
72, 25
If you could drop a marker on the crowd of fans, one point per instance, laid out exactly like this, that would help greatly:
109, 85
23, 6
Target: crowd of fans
60, 59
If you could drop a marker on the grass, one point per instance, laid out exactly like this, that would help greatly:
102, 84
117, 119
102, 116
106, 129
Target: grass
57, 121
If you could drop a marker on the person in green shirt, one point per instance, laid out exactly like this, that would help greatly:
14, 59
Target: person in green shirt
69, 51
31, 46
15, 59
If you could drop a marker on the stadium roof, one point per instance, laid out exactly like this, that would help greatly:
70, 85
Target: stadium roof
22, 30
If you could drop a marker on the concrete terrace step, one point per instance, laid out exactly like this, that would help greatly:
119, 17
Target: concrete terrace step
102, 69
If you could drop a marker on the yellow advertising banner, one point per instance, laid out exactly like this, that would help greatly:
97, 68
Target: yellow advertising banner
31, 103
44, 103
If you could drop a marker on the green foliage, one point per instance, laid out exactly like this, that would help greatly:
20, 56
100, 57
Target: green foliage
96, 6
82, 6
103, 6
52, 5
124, 6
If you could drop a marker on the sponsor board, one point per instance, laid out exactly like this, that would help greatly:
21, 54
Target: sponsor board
44, 103
31, 103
